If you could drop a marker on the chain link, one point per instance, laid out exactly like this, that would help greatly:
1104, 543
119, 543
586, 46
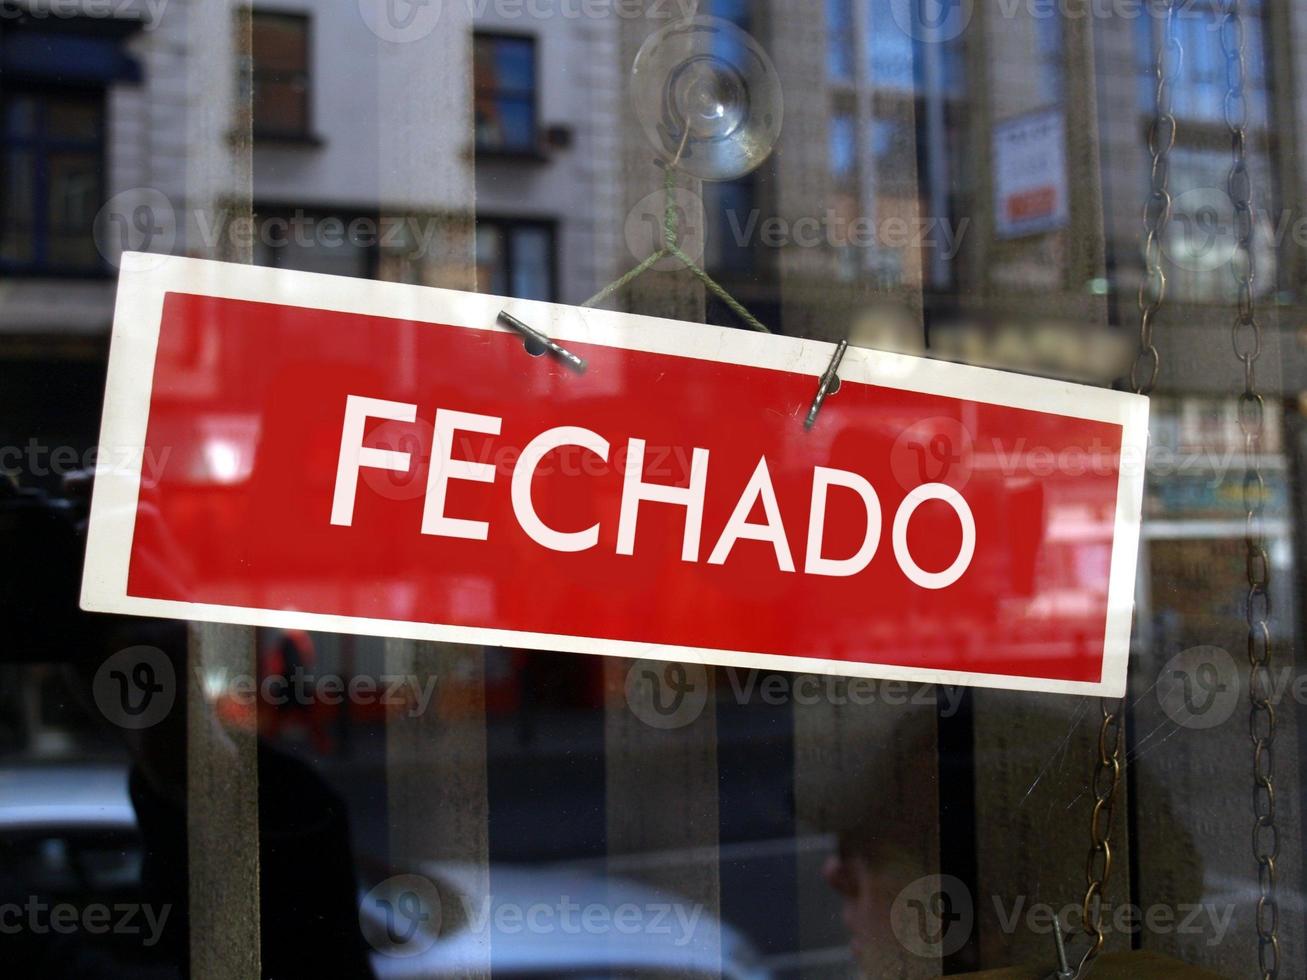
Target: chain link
1246, 337
1106, 781
1157, 207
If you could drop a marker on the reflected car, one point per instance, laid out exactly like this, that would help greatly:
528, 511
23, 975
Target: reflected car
70, 833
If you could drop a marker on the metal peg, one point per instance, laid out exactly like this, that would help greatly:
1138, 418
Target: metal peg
1064, 969
827, 380
575, 362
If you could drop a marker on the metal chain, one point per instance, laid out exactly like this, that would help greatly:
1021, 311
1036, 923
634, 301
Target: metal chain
1106, 780
1246, 335
1157, 208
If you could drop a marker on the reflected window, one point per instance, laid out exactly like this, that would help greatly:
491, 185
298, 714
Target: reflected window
516, 258
281, 76
839, 40
733, 206
1049, 43
1201, 79
337, 244
51, 181
891, 61
504, 69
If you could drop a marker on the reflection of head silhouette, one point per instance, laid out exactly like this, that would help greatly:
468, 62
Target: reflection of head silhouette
1031, 761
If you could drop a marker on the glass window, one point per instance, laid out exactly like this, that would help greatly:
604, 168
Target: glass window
340, 244
956, 191
51, 152
505, 73
516, 258
839, 40
281, 75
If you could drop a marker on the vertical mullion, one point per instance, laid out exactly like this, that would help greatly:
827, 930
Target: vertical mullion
222, 762
437, 787
852, 763
661, 783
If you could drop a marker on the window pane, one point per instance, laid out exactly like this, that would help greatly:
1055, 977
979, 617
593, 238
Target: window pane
889, 49
16, 208
505, 81
514, 66
69, 120
19, 116
74, 198
839, 39
281, 107
280, 43
492, 268
532, 263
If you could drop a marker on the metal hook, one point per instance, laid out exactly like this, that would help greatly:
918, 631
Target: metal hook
575, 362
827, 380
1064, 970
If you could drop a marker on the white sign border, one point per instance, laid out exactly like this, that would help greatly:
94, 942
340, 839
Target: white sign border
146, 278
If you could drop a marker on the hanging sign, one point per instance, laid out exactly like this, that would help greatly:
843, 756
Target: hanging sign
306, 451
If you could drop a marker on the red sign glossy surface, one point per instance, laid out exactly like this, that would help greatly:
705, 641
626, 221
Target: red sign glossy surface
311, 466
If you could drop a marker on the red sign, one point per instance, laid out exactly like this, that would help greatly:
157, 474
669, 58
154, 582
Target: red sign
1039, 202
352, 456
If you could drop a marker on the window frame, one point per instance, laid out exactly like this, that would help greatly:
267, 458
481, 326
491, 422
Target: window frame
40, 146
261, 134
506, 225
534, 153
